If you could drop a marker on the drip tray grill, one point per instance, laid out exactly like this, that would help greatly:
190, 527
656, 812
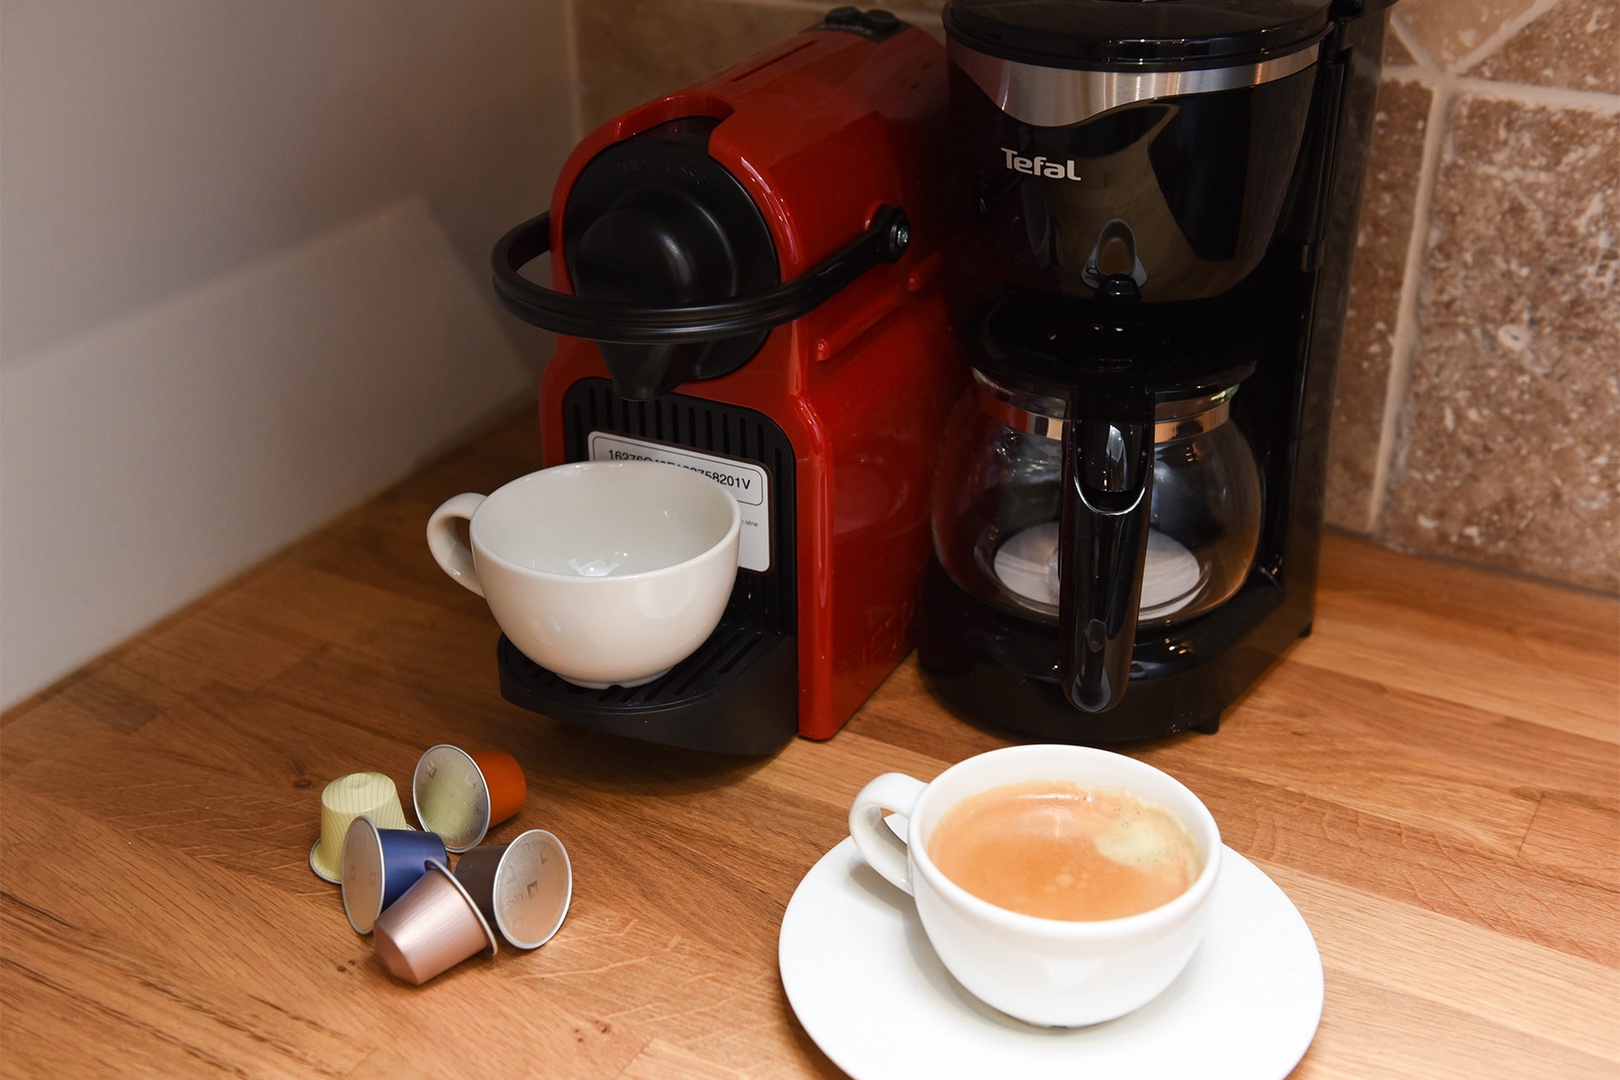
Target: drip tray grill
737, 694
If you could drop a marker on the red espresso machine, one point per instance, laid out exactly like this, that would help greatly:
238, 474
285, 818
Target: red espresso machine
747, 282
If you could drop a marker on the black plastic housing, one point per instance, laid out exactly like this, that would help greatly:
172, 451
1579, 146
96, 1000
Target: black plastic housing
1287, 316
1189, 190
1140, 34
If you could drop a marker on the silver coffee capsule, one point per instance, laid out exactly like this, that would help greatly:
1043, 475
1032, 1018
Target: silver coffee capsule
523, 887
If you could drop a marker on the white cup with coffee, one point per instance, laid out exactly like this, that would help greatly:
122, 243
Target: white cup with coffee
1062, 885
604, 572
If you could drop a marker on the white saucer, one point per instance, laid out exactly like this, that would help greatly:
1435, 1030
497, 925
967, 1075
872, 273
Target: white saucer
869, 990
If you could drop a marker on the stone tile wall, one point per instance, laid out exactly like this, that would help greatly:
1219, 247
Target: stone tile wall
1478, 411
1478, 414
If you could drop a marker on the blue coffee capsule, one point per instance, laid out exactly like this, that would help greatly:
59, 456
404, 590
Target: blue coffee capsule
379, 865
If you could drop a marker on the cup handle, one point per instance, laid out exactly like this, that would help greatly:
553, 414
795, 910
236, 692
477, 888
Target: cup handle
879, 846
453, 556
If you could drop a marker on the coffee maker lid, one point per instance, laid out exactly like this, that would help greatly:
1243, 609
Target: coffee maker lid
1139, 34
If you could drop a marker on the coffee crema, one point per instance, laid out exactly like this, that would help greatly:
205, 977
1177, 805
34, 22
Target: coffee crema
1059, 850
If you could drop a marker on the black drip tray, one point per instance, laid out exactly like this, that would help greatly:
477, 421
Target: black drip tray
738, 694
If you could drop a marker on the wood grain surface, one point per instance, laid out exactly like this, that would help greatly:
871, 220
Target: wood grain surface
1433, 777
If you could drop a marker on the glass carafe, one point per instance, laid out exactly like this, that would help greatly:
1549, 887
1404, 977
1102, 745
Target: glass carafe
998, 502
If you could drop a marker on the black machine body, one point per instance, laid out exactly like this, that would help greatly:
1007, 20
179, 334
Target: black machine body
1166, 202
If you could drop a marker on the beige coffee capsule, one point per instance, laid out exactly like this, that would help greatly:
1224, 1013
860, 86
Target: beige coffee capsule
363, 794
430, 929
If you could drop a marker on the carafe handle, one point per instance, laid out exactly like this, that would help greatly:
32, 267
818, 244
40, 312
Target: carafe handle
1107, 492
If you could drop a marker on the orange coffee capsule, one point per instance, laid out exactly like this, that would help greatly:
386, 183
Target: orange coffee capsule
507, 785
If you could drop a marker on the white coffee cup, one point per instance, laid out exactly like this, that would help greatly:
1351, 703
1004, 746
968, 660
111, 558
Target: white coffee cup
604, 572
1050, 972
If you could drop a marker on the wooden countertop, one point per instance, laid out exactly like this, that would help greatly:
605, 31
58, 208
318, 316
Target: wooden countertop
1431, 777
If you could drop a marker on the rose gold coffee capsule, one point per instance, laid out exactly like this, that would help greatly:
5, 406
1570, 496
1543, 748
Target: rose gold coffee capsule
430, 929
523, 887
462, 795
364, 794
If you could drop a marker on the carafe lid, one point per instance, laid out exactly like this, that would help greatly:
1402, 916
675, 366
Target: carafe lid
1139, 34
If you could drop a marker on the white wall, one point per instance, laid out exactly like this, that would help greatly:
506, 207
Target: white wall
243, 280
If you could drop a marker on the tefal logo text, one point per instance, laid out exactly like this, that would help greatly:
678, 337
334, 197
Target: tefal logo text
1040, 166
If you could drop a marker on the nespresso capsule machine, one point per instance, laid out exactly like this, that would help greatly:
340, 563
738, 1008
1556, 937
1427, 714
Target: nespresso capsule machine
1128, 509
746, 275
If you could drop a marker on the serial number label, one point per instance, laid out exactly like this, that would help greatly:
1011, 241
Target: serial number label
749, 484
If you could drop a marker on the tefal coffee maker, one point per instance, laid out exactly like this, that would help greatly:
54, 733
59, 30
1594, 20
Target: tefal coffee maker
1128, 507
747, 277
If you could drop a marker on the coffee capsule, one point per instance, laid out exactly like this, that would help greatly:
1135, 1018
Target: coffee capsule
363, 794
432, 928
379, 865
523, 887
462, 795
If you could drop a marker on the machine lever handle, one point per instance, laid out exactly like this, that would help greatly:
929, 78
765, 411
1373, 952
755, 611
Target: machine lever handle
884, 240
